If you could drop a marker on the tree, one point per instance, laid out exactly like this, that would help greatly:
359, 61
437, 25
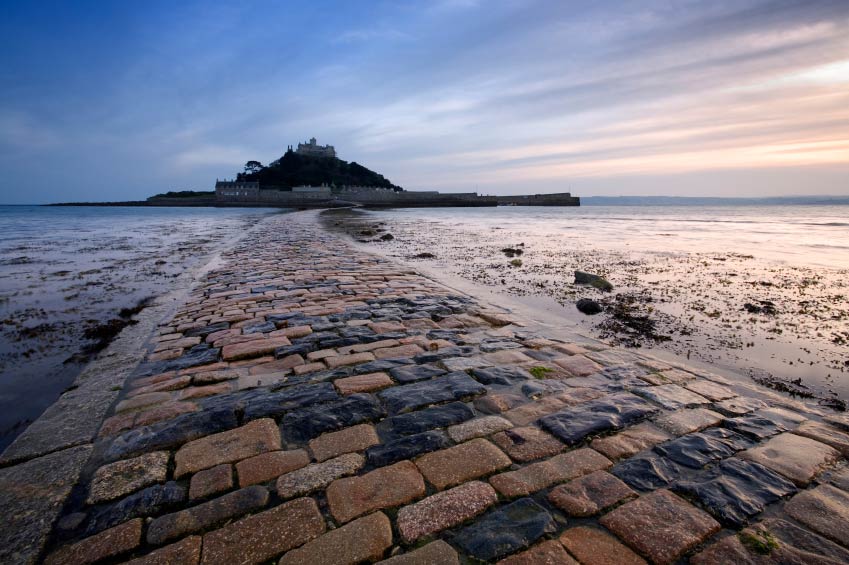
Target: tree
252, 167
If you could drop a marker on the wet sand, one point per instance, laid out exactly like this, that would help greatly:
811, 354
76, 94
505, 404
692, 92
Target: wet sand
785, 325
70, 281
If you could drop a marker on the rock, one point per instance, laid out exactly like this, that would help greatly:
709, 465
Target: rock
365, 539
698, 449
528, 443
594, 281
826, 434
333, 444
206, 330
537, 476
406, 448
318, 475
435, 553
201, 354
455, 386
123, 477
251, 439
478, 427
185, 551
170, 434
737, 490
660, 525
205, 515
596, 416
647, 473
630, 441
588, 306
387, 237
508, 529
444, 510
109, 543
211, 481
412, 373
148, 502
672, 397
593, 546
590, 494
756, 427
263, 536
544, 552
411, 423
798, 458
303, 425
264, 404
825, 510
501, 375
424, 256
385, 487
461, 463
268, 466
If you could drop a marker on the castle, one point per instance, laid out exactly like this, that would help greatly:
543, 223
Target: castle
313, 150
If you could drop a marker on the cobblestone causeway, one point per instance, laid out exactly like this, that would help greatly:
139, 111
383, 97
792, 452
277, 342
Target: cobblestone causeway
312, 403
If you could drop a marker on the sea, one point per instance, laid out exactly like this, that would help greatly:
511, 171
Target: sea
69, 274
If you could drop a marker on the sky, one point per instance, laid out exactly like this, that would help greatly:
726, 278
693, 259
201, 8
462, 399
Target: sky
105, 101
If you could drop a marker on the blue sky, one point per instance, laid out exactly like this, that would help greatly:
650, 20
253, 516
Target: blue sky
120, 100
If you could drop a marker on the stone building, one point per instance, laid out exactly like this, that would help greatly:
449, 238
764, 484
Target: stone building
229, 188
314, 150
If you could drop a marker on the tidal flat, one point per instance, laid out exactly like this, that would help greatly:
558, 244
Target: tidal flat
755, 290
72, 278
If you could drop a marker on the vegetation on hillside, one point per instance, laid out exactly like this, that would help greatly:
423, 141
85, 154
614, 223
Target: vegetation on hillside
293, 169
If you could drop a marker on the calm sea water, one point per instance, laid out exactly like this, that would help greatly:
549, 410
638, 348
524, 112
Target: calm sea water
66, 270
801, 235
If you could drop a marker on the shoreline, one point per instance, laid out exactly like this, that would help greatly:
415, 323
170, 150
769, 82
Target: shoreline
689, 304
344, 390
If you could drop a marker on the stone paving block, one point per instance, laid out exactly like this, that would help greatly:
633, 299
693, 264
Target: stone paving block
577, 365
409, 350
712, 391
736, 490
609, 413
267, 466
184, 552
106, 544
123, 477
412, 373
444, 510
270, 405
406, 447
455, 386
385, 487
352, 359
753, 426
798, 458
318, 475
363, 383
825, 510
593, 546
647, 473
303, 425
669, 376
142, 400
543, 474
660, 525
698, 449
543, 553
630, 441
313, 367
688, 420
263, 536
349, 440
672, 397
590, 494
435, 553
506, 530
365, 539
527, 413
826, 434
147, 502
461, 463
508, 357
253, 348
207, 514
211, 481
528, 443
739, 406
251, 439
501, 375
479, 427
419, 421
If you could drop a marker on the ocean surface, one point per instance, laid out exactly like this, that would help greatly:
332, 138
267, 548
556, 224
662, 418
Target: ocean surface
70, 277
759, 290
